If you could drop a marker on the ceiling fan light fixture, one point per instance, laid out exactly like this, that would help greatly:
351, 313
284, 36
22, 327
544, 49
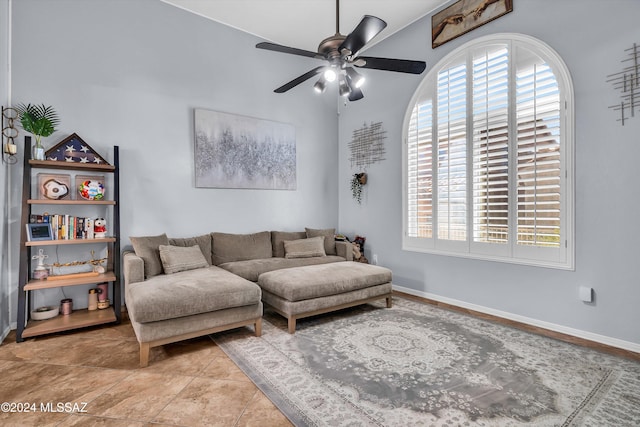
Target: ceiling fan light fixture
344, 88
330, 75
356, 79
320, 85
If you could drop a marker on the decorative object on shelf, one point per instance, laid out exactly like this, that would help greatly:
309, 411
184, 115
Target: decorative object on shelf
40, 121
464, 16
45, 312
39, 232
41, 272
99, 228
627, 82
73, 149
93, 299
66, 306
103, 304
9, 134
96, 268
358, 180
367, 145
103, 291
54, 186
233, 151
90, 187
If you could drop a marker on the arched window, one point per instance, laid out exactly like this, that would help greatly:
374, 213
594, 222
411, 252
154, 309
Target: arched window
488, 155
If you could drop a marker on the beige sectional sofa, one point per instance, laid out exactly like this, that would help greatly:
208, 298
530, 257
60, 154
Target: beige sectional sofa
180, 288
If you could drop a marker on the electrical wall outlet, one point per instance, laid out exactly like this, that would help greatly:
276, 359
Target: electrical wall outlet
375, 259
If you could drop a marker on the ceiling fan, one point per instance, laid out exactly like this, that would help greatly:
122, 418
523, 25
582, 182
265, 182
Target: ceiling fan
342, 52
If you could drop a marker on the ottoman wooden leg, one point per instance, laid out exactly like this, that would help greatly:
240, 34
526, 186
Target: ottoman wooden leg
389, 302
292, 324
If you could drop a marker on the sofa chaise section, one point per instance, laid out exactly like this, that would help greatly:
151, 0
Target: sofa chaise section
167, 308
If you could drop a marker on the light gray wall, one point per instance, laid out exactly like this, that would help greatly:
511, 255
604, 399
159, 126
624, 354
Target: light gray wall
130, 73
590, 36
4, 172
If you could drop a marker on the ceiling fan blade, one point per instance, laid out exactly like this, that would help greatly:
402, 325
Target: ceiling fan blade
355, 94
295, 82
368, 28
287, 49
389, 64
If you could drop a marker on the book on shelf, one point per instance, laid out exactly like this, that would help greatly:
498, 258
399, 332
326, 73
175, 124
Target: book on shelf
66, 227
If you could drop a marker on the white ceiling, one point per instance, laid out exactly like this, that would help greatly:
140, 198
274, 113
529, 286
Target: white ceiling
304, 23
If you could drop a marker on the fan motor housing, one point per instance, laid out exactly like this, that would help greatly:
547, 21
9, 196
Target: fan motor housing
329, 46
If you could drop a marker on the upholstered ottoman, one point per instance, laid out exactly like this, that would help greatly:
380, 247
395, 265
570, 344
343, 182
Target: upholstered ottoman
301, 292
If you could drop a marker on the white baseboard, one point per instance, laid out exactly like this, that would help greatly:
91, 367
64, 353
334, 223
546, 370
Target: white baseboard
602, 339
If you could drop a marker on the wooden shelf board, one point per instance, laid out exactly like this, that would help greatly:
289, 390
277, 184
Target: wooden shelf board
70, 242
77, 319
49, 164
70, 202
34, 285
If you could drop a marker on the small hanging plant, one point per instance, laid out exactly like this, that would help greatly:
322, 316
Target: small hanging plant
357, 181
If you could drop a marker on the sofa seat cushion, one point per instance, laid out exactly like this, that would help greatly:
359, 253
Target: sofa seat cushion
187, 293
314, 281
252, 269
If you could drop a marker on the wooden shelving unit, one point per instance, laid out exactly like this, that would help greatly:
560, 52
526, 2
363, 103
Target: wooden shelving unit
78, 318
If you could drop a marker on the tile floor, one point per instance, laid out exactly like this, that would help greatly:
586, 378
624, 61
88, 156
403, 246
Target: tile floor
95, 373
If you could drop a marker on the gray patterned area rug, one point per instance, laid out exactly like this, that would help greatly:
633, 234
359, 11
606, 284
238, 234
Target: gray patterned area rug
419, 365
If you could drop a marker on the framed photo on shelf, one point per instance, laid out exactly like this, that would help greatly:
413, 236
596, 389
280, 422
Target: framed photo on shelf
90, 187
54, 186
39, 232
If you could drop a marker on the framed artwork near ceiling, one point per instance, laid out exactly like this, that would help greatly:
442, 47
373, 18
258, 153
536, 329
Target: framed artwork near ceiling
464, 16
234, 151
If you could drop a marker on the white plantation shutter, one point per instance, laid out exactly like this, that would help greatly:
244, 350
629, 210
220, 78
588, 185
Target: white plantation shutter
491, 146
419, 174
538, 118
452, 153
488, 150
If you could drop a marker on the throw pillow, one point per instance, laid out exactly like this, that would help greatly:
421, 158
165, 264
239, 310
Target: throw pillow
329, 238
146, 247
203, 241
304, 248
178, 258
278, 238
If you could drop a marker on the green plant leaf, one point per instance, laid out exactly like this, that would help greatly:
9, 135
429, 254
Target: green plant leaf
40, 120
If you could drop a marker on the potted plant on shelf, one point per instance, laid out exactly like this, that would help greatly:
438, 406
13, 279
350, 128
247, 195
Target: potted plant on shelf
357, 181
40, 121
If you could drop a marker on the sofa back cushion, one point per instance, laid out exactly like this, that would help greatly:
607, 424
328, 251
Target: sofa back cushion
204, 242
240, 247
278, 238
146, 247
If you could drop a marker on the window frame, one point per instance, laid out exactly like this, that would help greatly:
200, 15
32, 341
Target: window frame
563, 257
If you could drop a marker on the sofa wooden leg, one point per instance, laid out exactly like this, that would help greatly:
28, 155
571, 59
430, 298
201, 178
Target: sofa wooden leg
258, 327
144, 354
389, 302
292, 325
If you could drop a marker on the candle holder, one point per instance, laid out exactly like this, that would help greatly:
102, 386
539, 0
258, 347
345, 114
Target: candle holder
9, 134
